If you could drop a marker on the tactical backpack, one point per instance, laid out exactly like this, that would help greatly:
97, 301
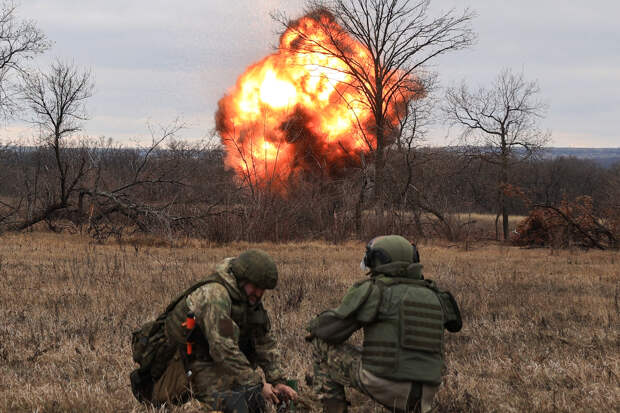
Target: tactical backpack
152, 350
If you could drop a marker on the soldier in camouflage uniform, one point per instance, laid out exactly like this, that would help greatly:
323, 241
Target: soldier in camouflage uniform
403, 317
233, 337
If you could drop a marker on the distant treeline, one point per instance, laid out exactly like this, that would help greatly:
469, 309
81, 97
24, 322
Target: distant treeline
186, 190
606, 157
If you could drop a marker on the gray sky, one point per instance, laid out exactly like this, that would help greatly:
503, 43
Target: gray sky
156, 60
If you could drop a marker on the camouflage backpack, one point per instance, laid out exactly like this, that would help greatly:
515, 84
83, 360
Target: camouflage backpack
152, 350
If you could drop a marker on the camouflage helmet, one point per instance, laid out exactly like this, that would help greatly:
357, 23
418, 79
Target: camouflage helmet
390, 248
257, 267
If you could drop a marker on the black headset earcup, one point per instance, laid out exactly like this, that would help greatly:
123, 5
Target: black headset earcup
368, 257
416, 254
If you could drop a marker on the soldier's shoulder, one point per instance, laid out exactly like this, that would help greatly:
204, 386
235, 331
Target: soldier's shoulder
210, 293
354, 298
361, 289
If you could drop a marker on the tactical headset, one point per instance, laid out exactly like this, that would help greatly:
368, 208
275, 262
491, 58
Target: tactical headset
382, 256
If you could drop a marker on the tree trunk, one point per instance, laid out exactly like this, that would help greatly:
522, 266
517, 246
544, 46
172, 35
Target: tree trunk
378, 190
379, 153
496, 226
505, 222
504, 182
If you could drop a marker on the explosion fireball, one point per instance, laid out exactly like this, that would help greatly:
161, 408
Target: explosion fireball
300, 109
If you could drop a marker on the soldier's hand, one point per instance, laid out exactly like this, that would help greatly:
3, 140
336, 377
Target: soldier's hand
269, 394
286, 392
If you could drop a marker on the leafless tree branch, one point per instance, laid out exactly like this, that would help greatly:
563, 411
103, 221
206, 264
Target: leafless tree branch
20, 41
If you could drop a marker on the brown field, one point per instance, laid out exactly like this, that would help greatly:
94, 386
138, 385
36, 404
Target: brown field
541, 327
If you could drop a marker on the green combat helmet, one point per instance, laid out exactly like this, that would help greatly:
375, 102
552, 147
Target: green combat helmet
257, 267
390, 249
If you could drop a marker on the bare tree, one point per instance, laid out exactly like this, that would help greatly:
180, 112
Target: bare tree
414, 122
132, 193
499, 125
107, 187
57, 101
20, 41
11, 200
77, 180
399, 38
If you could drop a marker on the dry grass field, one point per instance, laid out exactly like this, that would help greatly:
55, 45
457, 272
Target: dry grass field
541, 327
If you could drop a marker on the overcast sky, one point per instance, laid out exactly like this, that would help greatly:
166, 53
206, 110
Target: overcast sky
156, 60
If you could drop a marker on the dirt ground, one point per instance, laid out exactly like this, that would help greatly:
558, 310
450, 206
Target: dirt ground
541, 327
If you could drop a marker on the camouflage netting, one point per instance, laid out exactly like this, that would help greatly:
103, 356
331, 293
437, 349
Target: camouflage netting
569, 224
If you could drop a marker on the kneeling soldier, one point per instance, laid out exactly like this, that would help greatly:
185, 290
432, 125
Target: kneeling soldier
403, 317
210, 340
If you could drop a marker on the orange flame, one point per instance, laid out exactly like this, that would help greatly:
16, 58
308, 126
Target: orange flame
299, 109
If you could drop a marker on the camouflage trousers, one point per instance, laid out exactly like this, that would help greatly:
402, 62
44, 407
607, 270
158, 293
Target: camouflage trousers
337, 366
205, 384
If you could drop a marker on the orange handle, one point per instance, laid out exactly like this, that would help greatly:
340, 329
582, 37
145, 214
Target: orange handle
189, 323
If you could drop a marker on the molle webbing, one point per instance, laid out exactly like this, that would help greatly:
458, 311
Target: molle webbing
382, 354
422, 322
404, 341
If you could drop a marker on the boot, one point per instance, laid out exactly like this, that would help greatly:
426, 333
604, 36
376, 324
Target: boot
334, 406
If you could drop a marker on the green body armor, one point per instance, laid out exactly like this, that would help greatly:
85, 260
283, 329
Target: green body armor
405, 340
403, 317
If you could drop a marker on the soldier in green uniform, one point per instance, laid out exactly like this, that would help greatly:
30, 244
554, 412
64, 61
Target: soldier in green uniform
230, 339
403, 317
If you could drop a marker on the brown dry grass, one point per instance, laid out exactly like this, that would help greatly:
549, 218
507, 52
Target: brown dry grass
541, 327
